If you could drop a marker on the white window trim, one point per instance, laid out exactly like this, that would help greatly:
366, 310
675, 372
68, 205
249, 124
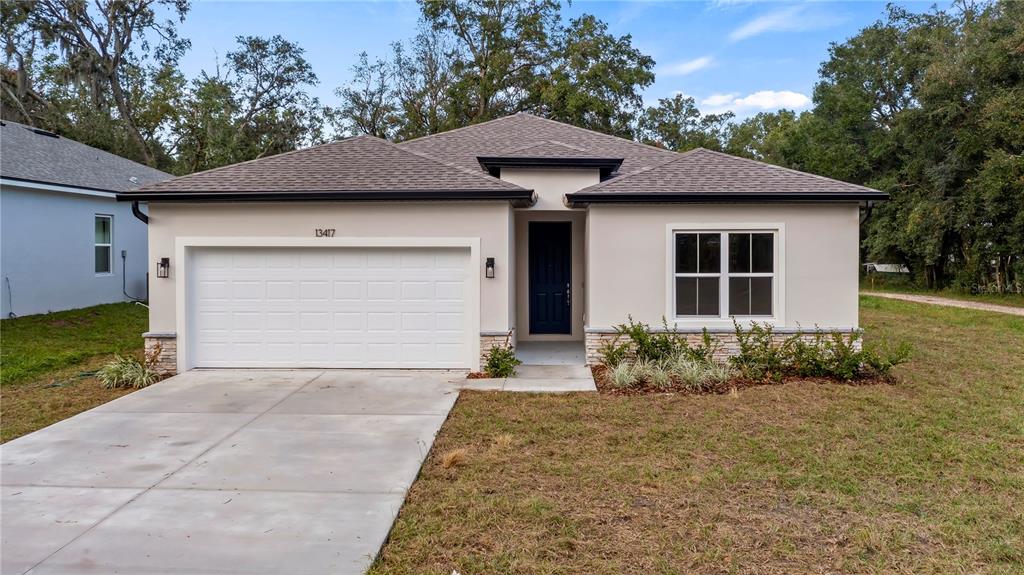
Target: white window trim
725, 320
110, 252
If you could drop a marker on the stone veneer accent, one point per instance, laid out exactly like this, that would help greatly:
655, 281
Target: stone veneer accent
163, 349
489, 339
729, 346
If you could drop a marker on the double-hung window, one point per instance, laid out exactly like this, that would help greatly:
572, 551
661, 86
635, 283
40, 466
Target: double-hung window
723, 274
103, 243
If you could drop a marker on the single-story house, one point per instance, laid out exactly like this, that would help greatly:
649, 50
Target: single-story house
364, 253
66, 241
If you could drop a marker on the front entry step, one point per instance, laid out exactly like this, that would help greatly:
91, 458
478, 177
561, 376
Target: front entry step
553, 372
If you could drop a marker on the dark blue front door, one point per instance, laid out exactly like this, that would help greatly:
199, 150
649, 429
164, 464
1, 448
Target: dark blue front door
550, 277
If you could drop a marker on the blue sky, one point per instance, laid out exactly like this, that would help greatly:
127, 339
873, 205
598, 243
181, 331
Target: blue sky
728, 54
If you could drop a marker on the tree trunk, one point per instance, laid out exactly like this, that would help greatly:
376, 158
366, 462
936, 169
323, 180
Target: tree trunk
129, 121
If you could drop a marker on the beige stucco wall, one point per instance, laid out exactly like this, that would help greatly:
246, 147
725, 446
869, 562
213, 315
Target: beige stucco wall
492, 222
551, 184
627, 265
522, 279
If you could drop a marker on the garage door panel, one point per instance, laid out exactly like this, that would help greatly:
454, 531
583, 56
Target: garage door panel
329, 307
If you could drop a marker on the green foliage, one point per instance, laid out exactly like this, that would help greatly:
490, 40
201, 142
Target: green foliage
501, 361
612, 352
127, 371
647, 345
36, 345
837, 355
676, 123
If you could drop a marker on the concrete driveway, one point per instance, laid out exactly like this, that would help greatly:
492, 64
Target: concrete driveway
223, 472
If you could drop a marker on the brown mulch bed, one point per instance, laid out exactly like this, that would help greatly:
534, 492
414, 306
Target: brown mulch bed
605, 386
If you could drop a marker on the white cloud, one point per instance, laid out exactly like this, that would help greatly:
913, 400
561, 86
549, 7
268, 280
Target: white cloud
687, 66
717, 100
789, 19
759, 101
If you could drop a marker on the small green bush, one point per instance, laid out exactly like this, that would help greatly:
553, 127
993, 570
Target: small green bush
623, 376
665, 359
831, 354
613, 353
502, 360
127, 371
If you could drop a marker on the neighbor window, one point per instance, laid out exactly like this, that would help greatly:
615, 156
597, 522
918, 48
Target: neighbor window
722, 274
103, 241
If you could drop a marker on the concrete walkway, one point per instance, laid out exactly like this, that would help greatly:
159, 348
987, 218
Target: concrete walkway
539, 379
223, 472
935, 300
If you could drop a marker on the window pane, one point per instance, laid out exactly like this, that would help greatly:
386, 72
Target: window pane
707, 296
686, 296
763, 253
710, 253
739, 253
102, 230
102, 259
739, 296
760, 296
686, 253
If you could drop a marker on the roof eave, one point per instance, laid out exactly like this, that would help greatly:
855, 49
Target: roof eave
521, 197
580, 199
491, 164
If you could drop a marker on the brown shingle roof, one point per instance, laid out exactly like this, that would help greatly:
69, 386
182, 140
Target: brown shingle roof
507, 136
704, 174
362, 164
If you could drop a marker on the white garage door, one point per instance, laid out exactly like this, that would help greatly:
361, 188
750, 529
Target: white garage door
329, 307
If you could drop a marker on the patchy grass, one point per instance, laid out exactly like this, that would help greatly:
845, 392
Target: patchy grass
47, 363
923, 476
898, 286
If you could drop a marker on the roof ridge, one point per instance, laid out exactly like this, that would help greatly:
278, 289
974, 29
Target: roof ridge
460, 128
602, 134
474, 173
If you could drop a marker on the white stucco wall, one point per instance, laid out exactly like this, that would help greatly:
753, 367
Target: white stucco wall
47, 261
627, 263
551, 184
492, 222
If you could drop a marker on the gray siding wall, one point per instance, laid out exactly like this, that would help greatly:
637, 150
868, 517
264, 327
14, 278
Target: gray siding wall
47, 251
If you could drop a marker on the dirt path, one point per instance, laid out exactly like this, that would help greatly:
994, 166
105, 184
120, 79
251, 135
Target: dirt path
948, 302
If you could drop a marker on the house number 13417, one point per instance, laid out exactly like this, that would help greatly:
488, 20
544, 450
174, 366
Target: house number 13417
325, 232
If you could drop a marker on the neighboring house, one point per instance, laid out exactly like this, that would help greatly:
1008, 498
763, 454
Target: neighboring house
66, 241
364, 253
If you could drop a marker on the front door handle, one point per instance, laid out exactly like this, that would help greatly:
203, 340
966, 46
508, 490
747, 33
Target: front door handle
568, 295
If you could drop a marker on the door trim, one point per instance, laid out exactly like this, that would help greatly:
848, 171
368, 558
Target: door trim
184, 244
569, 273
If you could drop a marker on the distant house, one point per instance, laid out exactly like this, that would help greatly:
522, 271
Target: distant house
66, 241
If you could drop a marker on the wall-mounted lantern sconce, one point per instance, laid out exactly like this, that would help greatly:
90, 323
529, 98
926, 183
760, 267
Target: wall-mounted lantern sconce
163, 268
489, 268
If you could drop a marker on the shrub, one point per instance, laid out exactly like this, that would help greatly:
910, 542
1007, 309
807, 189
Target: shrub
647, 345
622, 376
127, 371
613, 353
759, 357
502, 360
880, 361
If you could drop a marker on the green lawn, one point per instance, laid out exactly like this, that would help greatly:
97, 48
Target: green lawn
922, 476
46, 362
